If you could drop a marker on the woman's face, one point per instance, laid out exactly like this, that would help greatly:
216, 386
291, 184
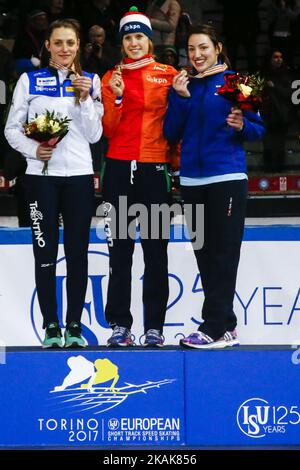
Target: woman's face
202, 52
277, 59
63, 46
136, 45
97, 35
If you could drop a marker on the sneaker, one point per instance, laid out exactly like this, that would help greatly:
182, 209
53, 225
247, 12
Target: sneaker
52, 336
229, 339
121, 337
73, 338
154, 338
200, 340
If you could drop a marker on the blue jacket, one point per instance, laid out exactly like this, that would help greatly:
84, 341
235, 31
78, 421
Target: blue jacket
209, 147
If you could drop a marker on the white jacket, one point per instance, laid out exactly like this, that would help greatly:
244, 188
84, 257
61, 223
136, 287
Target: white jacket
43, 90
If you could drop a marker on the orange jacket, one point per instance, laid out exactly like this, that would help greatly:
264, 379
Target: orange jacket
134, 127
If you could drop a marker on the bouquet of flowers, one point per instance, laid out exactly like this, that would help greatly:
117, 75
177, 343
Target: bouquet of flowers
48, 129
245, 91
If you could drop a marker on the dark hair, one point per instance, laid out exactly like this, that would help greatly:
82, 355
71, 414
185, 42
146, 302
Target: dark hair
266, 65
213, 36
69, 23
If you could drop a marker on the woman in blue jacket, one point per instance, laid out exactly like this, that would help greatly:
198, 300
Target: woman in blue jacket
213, 174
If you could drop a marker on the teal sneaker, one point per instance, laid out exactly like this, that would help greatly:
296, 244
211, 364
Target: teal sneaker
73, 338
52, 336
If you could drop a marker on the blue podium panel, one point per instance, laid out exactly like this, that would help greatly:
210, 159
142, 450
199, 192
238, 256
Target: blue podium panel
241, 397
92, 398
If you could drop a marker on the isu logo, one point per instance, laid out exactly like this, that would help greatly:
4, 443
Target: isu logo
252, 415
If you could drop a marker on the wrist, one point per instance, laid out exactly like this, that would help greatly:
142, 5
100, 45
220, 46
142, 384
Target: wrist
183, 94
84, 97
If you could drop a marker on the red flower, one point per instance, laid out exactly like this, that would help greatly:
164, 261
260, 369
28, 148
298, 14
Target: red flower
232, 90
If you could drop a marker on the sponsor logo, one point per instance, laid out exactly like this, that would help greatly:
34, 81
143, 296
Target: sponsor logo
36, 216
159, 167
161, 67
69, 89
157, 80
104, 211
48, 81
132, 27
256, 418
44, 88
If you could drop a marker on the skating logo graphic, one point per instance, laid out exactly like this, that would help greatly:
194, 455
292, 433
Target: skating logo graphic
91, 395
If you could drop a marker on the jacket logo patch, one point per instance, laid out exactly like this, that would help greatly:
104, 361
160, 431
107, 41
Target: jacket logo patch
46, 81
159, 167
44, 88
161, 67
156, 80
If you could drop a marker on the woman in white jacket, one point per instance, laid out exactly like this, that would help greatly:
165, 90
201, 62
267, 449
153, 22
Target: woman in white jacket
67, 189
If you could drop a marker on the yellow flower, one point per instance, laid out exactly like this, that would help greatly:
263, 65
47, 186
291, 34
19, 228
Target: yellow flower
41, 122
54, 127
245, 90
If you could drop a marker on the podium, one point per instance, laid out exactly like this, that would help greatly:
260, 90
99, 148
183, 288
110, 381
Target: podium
101, 398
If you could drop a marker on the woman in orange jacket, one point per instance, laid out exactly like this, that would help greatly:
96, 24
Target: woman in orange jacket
135, 101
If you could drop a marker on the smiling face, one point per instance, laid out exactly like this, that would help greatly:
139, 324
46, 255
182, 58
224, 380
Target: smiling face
135, 45
202, 52
63, 46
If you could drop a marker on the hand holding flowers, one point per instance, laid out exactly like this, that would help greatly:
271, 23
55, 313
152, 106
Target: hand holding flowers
235, 119
48, 129
244, 91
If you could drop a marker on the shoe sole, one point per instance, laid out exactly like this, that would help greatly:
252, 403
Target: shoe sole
75, 345
220, 345
153, 345
53, 346
122, 345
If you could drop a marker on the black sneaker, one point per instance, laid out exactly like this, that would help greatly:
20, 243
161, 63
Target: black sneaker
73, 338
52, 336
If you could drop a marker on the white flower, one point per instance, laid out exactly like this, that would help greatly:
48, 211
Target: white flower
54, 126
245, 90
41, 122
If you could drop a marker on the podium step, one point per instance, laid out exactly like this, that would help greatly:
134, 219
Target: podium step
99, 398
